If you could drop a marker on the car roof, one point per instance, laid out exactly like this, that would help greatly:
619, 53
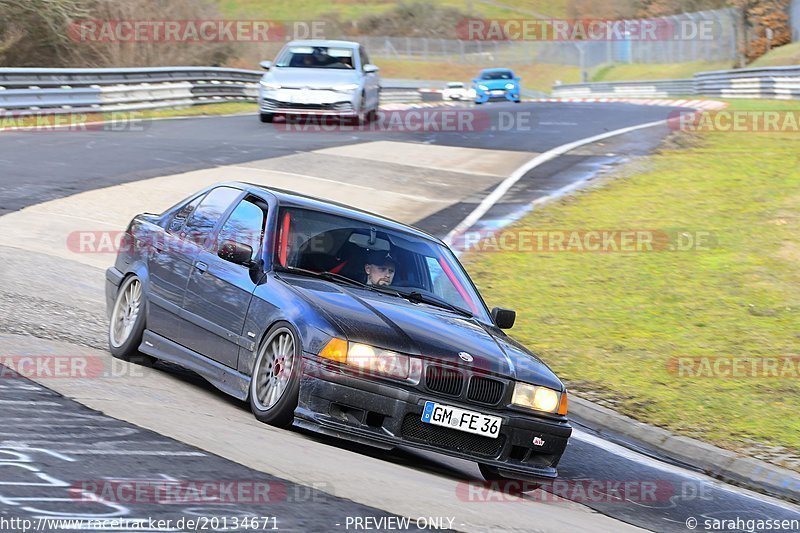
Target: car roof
496, 70
296, 199
324, 42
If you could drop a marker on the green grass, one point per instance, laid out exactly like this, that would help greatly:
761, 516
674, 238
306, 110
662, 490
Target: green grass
227, 108
537, 77
654, 71
608, 323
785, 55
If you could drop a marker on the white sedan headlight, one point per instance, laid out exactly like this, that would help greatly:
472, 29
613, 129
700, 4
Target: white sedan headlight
270, 85
539, 398
369, 360
345, 88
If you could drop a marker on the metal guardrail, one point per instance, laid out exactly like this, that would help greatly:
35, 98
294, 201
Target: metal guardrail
627, 89
768, 83
129, 89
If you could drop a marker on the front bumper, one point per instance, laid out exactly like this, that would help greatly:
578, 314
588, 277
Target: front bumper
382, 414
315, 103
511, 95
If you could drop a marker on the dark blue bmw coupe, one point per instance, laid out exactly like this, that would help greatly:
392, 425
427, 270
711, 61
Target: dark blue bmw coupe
337, 320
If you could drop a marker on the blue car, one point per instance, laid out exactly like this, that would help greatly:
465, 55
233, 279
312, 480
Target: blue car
338, 321
496, 84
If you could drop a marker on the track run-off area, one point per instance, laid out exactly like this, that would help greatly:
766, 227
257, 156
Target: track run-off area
130, 422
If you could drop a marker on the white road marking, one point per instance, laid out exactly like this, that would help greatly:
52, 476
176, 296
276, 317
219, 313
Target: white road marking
539, 160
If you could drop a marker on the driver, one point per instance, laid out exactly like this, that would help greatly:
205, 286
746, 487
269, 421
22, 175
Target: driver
380, 268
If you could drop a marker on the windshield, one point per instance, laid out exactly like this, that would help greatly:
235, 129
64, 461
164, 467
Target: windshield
317, 57
323, 242
500, 75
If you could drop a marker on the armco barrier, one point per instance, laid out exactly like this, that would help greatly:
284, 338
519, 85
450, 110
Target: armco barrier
769, 83
127, 89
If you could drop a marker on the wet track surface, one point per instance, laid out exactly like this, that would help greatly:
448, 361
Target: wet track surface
76, 443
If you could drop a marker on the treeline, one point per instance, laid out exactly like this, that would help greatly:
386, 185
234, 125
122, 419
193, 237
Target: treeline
46, 33
758, 16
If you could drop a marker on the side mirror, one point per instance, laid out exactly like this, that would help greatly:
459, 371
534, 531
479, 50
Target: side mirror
369, 68
503, 318
236, 252
266, 65
517, 79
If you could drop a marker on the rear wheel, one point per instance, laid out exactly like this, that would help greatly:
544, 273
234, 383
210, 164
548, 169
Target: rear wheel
126, 327
275, 384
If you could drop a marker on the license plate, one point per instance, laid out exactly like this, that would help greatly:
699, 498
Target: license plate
498, 93
461, 419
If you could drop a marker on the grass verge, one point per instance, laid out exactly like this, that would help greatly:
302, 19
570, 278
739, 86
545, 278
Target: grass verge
609, 323
124, 119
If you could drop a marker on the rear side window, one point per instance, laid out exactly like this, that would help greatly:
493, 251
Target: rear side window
204, 219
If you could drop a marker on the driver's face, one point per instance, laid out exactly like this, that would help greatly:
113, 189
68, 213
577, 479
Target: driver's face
379, 275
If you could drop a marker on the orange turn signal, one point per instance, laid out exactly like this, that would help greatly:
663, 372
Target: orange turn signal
562, 406
335, 350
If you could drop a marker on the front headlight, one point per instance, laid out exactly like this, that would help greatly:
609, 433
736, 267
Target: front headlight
370, 360
270, 85
483, 87
346, 88
510, 86
539, 398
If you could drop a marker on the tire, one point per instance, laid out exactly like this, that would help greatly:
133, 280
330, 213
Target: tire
267, 117
363, 116
127, 323
274, 389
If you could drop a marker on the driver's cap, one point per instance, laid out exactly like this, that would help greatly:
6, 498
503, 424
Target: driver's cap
380, 258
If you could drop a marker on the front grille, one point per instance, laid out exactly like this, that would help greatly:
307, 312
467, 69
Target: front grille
269, 104
485, 390
416, 430
445, 380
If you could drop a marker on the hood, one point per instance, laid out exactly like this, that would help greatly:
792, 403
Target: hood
396, 324
315, 78
495, 84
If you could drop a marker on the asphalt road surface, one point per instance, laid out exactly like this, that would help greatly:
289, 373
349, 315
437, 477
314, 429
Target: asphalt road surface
51, 302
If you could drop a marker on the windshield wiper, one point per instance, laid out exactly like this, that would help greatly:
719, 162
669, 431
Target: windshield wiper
333, 276
421, 297
328, 276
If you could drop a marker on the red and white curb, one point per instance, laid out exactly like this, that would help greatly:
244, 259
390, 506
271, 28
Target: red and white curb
663, 102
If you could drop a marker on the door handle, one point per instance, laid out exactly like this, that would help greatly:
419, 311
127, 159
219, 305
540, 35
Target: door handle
201, 267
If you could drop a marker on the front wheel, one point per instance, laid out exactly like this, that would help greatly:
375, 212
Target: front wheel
267, 117
127, 322
275, 383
